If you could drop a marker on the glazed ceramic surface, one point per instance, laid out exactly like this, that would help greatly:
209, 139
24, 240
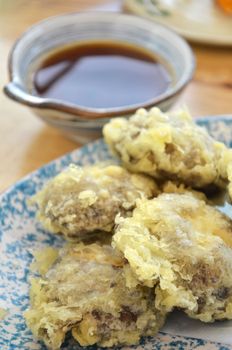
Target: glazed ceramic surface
21, 234
79, 122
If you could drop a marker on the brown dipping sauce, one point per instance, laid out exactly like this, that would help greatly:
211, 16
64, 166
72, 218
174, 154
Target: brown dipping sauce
101, 75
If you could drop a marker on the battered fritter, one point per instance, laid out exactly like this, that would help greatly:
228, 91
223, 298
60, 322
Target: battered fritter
229, 171
184, 245
80, 201
85, 292
170, 147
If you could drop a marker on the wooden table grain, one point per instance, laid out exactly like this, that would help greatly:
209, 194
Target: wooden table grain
26, 143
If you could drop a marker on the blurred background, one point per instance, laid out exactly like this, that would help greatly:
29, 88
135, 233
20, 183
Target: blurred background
27, 143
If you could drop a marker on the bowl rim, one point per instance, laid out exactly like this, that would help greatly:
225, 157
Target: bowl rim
15, 91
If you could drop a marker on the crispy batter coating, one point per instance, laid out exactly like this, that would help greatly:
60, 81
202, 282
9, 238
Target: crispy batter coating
172, 187
85, 292
229, 172
184, 245
80, 201
168, 146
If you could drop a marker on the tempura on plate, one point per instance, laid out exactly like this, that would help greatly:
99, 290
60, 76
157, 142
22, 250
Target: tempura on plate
85, 292
168, 147
82, 200
152, 239
183, 247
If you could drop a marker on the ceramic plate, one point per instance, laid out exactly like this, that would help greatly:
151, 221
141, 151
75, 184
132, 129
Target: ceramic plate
200, 21
20, 234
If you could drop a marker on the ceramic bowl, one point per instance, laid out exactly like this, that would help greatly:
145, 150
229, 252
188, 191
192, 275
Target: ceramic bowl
82, 123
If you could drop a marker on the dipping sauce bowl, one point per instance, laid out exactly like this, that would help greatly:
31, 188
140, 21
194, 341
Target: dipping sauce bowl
82, 122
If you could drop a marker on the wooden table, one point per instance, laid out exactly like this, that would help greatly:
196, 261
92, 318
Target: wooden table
26, 143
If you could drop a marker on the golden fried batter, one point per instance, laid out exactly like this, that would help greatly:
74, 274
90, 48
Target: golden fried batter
85, 292
172, 187
229, 172
182, 246
170, 147
80, 201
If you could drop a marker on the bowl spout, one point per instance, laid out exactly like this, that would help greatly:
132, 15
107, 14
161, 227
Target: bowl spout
16, 93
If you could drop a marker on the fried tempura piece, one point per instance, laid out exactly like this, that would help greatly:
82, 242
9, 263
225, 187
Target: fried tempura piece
80, 201
85, 293
168, 146
184, 245
229, 172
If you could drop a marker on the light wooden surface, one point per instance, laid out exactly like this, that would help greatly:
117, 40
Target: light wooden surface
26, 143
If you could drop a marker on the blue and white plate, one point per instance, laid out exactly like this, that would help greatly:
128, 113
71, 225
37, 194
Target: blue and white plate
20, 234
